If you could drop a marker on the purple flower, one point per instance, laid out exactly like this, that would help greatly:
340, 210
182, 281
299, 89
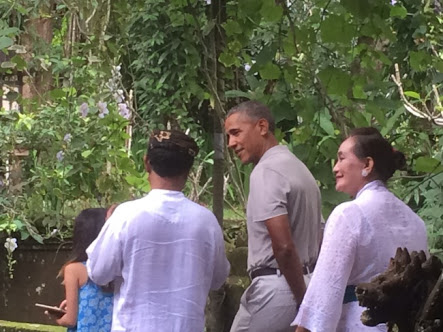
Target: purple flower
102, 109
247, 67
84, 109
60, 155
67, 138
124, 111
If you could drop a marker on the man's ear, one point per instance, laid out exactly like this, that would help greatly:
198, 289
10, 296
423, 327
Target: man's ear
148, 166
263, 125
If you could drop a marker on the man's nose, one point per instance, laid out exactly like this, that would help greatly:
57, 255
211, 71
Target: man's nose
231, 142
335, 168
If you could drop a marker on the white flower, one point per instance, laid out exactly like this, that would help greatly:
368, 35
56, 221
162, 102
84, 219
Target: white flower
67, 138
208, 2
54, 231
119, 96
247, 67
11, 244
39, 289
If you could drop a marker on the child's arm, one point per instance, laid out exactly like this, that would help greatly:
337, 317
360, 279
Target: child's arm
72, 283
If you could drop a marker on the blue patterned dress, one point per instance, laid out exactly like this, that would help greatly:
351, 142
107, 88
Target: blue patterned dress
94, 309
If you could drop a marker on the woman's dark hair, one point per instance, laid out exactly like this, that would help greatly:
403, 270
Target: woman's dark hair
370, 143
87, 226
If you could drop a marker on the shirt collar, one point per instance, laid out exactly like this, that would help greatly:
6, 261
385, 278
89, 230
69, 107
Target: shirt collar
371, 185
165, 192
274, 150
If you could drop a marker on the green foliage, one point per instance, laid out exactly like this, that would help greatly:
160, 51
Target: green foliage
165, 67
66, 148
324, 67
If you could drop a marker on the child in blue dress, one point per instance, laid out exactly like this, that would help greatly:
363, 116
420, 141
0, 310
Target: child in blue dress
88, 306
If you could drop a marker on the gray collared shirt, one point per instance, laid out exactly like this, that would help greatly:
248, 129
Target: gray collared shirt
281, 184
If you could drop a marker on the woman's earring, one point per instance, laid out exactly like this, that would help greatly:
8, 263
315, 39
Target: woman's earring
364, 173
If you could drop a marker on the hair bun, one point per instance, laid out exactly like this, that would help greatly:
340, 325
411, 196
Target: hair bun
399, 159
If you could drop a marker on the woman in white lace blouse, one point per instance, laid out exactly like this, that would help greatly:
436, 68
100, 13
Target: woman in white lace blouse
360, 236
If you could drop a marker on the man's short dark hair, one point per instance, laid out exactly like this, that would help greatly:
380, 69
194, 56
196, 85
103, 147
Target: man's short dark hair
171, 152
255, 110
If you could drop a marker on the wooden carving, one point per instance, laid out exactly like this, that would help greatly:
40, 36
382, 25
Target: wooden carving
407, 296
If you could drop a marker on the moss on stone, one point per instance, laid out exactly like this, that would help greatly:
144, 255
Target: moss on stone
238, 257
6, 326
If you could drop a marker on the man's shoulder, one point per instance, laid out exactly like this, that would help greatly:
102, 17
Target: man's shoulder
197, 206
201, 210
279, 158
282, 162
127, 210
131, 205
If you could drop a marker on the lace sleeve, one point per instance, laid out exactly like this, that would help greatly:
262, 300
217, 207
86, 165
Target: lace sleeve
322, 305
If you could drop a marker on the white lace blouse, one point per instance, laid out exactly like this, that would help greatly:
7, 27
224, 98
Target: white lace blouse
360, 238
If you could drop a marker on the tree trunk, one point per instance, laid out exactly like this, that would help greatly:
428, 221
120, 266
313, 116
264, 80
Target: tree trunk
39, 30
218, 170
215, 317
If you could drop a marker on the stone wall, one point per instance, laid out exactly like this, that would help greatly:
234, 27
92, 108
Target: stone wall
237, 282
34, 281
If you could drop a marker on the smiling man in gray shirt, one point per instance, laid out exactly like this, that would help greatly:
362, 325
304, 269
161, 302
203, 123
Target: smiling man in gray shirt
283, 221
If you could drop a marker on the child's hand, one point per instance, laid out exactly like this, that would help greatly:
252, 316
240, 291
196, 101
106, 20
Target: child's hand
63, 305
53, 314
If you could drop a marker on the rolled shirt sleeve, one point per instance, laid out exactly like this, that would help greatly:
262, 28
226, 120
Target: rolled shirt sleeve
268, 201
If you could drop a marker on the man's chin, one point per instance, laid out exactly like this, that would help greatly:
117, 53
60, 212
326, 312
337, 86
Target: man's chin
245, 161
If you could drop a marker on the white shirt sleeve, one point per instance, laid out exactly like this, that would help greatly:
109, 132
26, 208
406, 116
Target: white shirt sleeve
322, 305
221, 263
104, 262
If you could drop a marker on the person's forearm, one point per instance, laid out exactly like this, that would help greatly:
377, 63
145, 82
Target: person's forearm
67, 321
100, 270
290, 266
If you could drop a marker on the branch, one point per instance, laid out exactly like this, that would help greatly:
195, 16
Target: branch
105, 25
426, 114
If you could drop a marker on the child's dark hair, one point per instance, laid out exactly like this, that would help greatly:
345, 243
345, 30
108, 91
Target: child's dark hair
87, 226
